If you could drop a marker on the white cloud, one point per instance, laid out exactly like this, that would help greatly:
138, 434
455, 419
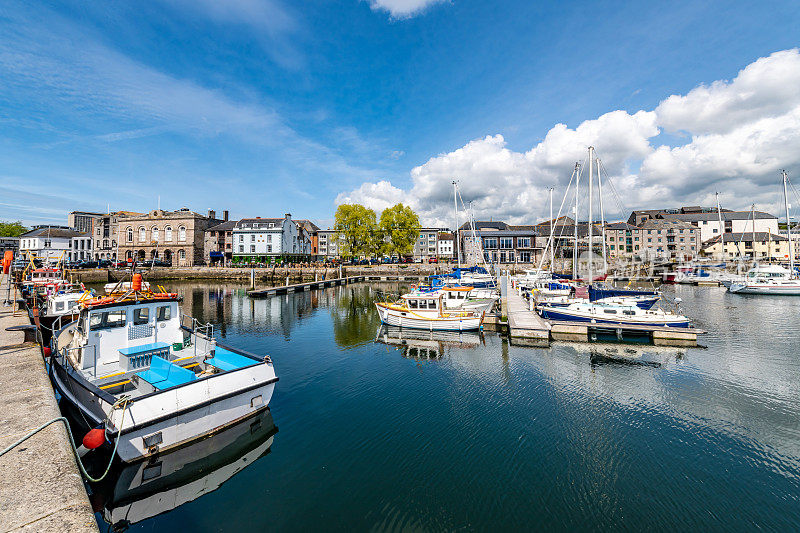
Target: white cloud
741, 133
402, 8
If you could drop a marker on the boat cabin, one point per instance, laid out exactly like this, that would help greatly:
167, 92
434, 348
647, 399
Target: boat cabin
422, 302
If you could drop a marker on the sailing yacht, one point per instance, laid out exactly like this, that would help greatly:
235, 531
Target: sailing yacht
772, 279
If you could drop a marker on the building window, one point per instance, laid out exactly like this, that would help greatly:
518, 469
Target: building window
142, 234
182, 254
252, 238
182, 234
241, 248
168, 233
154, 233
252, 248
129, 236
524, 242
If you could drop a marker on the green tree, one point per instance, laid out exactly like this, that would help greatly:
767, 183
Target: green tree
399, 228
356, 230
12, 229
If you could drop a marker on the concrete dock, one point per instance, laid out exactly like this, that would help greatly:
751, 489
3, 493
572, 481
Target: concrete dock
300, 287
40, 485
525, 327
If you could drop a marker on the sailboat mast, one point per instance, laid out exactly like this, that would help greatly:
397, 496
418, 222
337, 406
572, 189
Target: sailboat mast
721, 229
753, 214
602, 215
455, 218
788, 224
575, 223
552, 223
591, 178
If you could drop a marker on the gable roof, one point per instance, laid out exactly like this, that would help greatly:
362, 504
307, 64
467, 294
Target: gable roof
50, 232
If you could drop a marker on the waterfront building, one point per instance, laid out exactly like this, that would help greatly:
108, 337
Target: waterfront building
103, 228
56, 242
498, 242
312, 234
328, 245
623, 240
218, 243
761, 245
176, 237
425, 246
269, 240
9, 243
668, 240
445, 246
707, 220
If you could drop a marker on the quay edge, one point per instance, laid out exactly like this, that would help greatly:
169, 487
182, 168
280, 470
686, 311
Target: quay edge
40, 485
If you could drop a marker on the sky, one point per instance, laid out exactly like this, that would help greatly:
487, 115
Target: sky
264, 107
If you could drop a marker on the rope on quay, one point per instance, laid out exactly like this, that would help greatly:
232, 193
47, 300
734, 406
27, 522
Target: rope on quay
122, 401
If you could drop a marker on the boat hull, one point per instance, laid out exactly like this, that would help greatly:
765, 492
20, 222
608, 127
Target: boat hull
788, 290
404, 319
174, 417
566, 315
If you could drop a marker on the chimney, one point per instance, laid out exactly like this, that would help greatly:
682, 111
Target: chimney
225, 215
288, 215
212, 213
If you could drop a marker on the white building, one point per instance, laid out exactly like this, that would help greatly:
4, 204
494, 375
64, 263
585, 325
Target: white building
56, 242
445, 245
425, 246
268, 239
733, 222
328, 245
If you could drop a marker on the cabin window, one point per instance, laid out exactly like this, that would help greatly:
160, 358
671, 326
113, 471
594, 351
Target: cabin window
141, 316
59, 306
164, 313
629, 313
610, 311
412, 304
423, 304
107, 320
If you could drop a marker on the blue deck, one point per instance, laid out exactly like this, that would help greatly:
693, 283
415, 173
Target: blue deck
163, 374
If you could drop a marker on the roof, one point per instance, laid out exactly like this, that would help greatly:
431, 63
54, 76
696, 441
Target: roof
562, 220
659, 223
483, 224
248, 222
225, 226
53, 233
726, 215
746, 236
621, 225
305, 222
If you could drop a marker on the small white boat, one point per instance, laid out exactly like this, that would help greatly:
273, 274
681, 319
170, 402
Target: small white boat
427, 311
769, 279
611, 313
129, 364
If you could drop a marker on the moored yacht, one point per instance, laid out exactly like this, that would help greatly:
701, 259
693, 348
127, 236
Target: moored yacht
427, 311
130, 365
767, 279
612, 313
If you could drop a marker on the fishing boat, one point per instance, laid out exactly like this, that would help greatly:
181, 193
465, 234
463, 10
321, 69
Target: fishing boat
427, 311
612, 313
149, 382
460, 298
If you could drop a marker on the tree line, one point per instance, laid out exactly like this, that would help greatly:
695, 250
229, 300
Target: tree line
359, 232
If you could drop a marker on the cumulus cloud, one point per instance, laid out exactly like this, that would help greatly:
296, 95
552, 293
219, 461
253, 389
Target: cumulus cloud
402, 8
739, 134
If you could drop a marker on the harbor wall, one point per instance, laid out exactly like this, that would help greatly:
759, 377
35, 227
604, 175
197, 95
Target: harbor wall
40, 485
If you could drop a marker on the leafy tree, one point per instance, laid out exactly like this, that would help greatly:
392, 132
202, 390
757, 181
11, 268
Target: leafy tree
356, 230
12, 229
400, 228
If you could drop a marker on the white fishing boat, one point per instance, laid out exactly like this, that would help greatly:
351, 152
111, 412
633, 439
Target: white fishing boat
612, 313
131, 366
459, 298
427, 311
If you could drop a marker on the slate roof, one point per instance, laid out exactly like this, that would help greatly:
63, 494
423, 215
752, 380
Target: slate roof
225, 226
747, 236
726, 215
49, 232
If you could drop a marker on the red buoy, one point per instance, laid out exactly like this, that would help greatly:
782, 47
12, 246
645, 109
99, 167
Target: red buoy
94, 439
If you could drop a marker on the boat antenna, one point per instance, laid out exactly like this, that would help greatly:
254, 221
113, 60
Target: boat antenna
455, 217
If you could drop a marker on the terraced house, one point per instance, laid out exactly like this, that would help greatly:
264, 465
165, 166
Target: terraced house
270, 240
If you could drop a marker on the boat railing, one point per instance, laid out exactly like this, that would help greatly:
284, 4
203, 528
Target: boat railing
66, 351
203, 333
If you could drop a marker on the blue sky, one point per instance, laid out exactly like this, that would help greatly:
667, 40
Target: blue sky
264, 107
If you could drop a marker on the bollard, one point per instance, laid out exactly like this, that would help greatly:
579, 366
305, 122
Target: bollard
252, 278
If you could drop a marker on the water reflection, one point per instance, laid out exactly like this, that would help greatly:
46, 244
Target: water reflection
137, 492
420, 344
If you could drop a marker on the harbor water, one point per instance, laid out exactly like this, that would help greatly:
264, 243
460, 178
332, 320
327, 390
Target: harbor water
389, 430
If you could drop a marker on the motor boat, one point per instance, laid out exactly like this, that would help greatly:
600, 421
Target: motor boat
460, 298
131, 366
767, 279
611, 313
427, 311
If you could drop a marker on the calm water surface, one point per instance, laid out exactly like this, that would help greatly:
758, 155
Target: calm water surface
467, 432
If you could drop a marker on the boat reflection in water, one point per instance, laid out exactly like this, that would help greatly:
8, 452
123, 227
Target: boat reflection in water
421, 344
135, 492
634, 355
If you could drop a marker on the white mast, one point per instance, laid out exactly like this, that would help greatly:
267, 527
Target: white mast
591, 178
753, 247
575, 222
602, 215
788, 224
552, 223
455, 217
721, 229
